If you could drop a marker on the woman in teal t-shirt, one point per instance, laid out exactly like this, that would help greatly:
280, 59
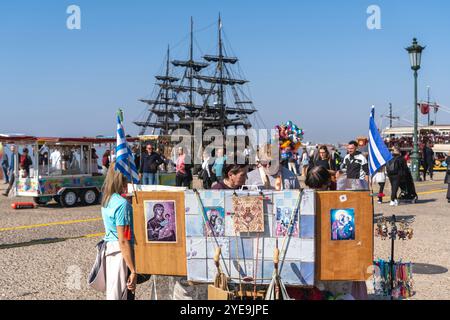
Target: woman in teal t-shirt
117, 216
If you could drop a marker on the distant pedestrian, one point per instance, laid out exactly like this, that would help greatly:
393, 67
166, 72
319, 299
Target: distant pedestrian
150, 161
106, 162
447, 176
428, 161
380, 178
395, 169
11, 173
183, 170
206, 171
5, 166
355, 164
218, 165
292, 164
136, 156
324, 160
94, 161
25, 162
305, 162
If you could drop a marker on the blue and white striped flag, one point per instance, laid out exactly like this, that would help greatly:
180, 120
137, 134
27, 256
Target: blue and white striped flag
124, 158
379, 154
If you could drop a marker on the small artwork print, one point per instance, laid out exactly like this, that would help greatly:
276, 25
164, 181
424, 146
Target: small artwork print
160, 217
283, 220
216, 225
248, 214
342, 224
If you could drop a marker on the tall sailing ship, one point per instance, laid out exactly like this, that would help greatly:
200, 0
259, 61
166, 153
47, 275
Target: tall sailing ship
209, 90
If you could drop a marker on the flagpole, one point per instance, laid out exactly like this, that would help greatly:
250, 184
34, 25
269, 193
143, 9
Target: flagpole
120, 115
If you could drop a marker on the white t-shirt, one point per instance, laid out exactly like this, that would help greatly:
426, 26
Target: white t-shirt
55, 160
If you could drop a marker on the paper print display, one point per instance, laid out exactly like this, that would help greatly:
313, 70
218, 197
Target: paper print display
342, 224
247, 253
248, 214
160, 217
216, 225
284, 226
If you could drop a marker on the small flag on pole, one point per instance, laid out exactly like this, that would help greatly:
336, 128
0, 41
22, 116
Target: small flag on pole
124, 158
379, 154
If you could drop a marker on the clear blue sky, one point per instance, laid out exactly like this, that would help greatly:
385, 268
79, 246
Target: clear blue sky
312, 62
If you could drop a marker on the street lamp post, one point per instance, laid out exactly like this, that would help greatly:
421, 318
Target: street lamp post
415, 55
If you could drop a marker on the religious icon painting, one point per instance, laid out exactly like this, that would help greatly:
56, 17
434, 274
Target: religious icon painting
342, 224
216, 225
160, 218
286, 222
248, 214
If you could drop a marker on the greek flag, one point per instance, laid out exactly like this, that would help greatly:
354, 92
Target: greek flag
124, 158
379, 154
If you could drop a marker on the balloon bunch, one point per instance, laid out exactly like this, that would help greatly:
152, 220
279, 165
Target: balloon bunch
291, 137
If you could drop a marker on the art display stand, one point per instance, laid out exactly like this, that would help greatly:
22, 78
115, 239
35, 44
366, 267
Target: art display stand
344, 259
159, 258
223, 238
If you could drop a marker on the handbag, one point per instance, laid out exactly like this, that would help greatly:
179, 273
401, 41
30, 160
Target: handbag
97, 276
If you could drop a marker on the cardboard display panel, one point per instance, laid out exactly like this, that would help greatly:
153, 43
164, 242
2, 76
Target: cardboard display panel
345, 235
160, 233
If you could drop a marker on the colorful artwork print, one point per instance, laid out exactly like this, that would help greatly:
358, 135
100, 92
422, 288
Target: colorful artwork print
51, 186
283, 220
248, 214
342, 224
160, 218
216, 225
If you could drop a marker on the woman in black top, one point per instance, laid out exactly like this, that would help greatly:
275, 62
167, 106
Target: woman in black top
324, 160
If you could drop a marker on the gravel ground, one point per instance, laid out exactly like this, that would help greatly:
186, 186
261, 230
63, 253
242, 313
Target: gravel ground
52, 262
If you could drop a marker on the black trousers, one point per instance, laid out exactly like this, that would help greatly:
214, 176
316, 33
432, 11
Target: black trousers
448, 192
395, 183
428, 166
207, 183
182, 180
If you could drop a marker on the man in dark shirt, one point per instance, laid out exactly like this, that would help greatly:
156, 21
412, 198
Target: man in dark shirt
150, 162
5, 166
12, 176
428, 161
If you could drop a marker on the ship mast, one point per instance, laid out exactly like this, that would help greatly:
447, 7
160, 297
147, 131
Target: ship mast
200, 94
191, 71
167, 98
221, 91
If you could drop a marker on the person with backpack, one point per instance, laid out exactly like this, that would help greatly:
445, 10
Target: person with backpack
395, 170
